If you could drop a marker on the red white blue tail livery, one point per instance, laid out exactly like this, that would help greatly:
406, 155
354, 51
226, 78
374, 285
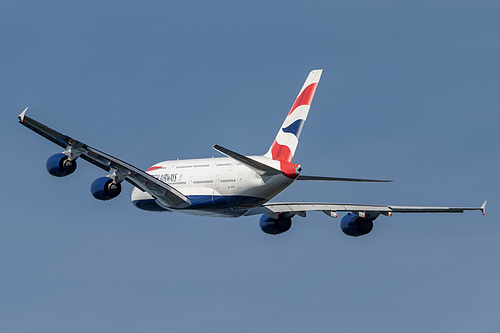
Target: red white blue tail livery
230, 186
285, 144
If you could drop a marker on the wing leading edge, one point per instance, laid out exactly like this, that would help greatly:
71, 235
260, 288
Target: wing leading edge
164, 193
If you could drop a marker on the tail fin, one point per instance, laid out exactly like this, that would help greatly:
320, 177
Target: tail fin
283, 147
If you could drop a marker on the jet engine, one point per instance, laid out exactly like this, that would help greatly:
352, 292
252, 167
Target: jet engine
59, 165
105, 188
275, 226
355, 226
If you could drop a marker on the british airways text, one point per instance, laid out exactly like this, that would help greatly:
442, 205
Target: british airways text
167, 177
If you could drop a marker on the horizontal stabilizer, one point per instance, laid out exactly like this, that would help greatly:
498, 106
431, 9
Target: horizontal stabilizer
338, 179
260, 168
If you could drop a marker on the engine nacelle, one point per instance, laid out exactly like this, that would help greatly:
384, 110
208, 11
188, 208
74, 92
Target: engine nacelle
105, 188
275, 226
355, 226
59, 165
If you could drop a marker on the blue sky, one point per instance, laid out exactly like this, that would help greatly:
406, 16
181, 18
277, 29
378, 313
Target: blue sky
409, 92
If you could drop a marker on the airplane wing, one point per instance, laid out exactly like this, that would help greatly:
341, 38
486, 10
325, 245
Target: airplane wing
273, 209
161, 191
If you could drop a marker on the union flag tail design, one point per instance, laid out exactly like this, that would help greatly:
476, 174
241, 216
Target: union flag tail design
283, 147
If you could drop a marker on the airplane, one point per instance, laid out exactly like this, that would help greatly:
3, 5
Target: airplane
231, 186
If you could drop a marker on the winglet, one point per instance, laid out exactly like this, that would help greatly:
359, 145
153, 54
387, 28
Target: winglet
21, 116
483, 208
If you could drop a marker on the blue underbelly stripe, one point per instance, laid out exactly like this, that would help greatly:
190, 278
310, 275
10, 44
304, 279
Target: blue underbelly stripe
207, 202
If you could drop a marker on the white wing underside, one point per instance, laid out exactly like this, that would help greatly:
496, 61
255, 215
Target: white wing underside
272, 209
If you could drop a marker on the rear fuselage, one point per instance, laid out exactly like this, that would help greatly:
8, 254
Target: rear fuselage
215, 186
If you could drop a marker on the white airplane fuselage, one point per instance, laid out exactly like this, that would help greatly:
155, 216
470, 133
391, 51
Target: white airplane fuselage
220, 187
